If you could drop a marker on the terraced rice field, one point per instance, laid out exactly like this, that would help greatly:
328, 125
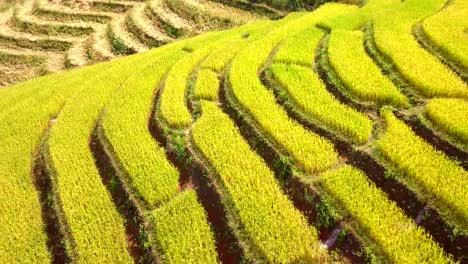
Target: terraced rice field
52, 35
337, 135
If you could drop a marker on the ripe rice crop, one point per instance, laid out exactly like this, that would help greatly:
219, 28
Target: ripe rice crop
449, 115
394, 39
307, 92
300, 140
218, 59
283, 235
182, 231
24, 239
207, 85
97, 228
154, 178
356, 18
436, 178
364, 79
173, 107
447, 29
383, 221
299, 48
310, 151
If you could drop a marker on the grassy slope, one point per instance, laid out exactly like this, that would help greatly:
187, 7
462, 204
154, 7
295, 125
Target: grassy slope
78, 40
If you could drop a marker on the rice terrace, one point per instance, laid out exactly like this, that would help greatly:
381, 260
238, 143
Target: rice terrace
233, 131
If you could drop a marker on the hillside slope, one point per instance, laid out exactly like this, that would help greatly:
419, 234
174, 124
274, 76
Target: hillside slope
338, 135
48, 36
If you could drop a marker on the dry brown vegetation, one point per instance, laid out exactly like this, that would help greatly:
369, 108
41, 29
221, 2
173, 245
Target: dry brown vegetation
42, 36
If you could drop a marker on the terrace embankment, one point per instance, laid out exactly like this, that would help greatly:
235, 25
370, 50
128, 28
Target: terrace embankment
55, 237
425, 42
419, 128
388, 68
193, 175
435, 140
406, 199
55, 28
134, 222
332, 81
304, 198
365, 160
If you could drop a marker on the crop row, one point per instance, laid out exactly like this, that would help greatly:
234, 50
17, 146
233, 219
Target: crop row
427, 158
195, 247
96, 228
35, 44
207, 85
312, 152
49, 29
89, 240
137, 25
379, 219
265, 217
299, 49
222, 13
308, 93
121, 97
68, 16
356, 18
23, 126
430, 243
84, 203
446, 30
427, 171
233, 168
437, 179
218, 59
363, 80
201, 18
174, 27
377, 227
288, 52
102, 6
173, 107
393, 38
252, 7
183, 232
449, 115
125, 126
154, 180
